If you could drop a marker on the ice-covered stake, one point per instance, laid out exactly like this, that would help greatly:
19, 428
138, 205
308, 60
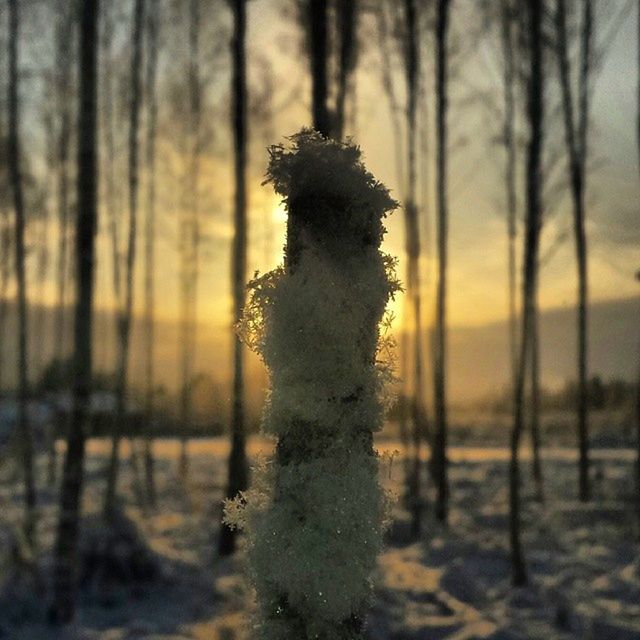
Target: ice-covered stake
314, 518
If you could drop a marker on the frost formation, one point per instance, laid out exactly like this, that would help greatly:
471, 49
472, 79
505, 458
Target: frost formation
315, 517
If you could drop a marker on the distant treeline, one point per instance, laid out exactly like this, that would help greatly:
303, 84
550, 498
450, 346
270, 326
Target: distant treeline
610, 394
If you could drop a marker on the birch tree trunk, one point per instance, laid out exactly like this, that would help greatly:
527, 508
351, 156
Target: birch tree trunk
440, 355
15, 178
347, 12
535, 119
576, 136
150, 237
237, 469
125, 316
319, 52
66, 544
508, 53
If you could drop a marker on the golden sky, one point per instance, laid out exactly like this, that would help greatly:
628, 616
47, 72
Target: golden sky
478, 278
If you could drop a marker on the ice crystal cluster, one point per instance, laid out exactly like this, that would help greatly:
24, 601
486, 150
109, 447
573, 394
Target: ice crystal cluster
315, 516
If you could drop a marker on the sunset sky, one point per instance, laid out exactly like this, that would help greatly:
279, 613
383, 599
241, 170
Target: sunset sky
477, 220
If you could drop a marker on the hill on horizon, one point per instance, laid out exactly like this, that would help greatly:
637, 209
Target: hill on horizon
478, 355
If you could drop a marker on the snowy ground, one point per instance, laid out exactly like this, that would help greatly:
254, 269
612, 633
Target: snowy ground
584, 564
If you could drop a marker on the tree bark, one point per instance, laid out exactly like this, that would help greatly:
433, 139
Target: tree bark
66, 545
318, 51
440, 355
238, 471
64, 39
191, 238
6, 246
576, 134
15, 177
536, 467
508, 53
125, 316
150, 236
412, 247
535, 116
638, 279
323, 506
347, 11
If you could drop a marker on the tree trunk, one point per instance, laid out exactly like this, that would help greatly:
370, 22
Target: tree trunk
440, 356
394, 108
388, 86
6, 247
576, 141
125, 316
535, 115
318, 51
638, 279
150, 236
64, 39
323, 504
66, 545
508, 52
191, 256
238, 472
412, 246
15, 178
347, 16
536, 466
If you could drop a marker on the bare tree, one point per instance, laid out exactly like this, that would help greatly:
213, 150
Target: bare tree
125, 315
318, 48
237, 468
440, 355
534, 345
347, 15
66, 545
63, 93
638, 405
535, 116
6, 245
150, 236
576, 135
412, 247
15, 178
507, 19
638, 279
6, 242
382, 23
190, 235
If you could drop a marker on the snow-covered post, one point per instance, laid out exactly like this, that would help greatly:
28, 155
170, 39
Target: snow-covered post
314, 518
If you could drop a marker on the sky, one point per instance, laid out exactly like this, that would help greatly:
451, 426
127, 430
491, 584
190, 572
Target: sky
478, 244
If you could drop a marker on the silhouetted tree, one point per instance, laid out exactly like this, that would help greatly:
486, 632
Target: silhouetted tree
66, 544
638, 402
576, 136
6, 242
190, 234
507, 24
15, 177
150, 237
535, 116
440, 342
125, 315
412, 247
237, 468
347, 18
318, 49
64, 37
